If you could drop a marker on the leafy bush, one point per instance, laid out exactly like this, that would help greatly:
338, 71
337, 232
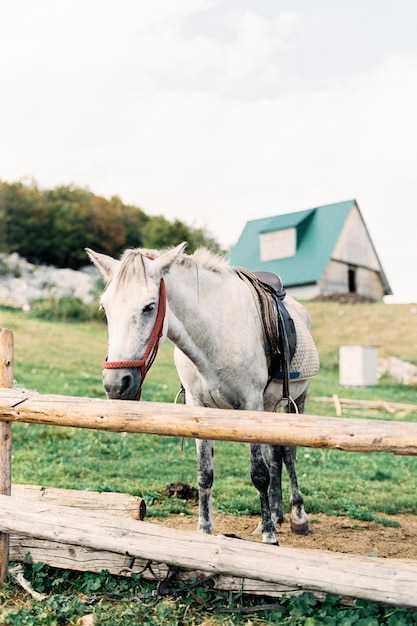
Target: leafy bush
122, 601
65, 309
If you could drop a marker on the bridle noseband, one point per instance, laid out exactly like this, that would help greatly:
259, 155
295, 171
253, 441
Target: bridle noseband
145, 363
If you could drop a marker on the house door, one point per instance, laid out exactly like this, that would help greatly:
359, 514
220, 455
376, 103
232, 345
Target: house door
352, 280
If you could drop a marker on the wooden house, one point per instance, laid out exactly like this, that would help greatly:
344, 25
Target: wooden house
321, 252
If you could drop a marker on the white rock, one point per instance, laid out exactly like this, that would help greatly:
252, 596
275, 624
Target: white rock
22, 282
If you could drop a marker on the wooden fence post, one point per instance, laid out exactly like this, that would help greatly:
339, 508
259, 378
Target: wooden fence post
6, 380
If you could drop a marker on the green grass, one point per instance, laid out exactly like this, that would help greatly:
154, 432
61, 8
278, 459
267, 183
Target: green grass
390, 328
65, 358
116, 601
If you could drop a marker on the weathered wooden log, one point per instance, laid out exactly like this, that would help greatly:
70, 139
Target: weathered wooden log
380, 580
368, 404
82, 559
97, 502
355, 435
6, 380
70, 556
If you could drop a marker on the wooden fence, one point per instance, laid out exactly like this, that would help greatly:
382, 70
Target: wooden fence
249, 565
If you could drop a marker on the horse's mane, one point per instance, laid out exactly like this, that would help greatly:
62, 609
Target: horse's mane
208, 260
132, 263
131, 266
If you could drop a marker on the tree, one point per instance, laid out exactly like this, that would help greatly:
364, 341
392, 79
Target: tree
26, 221
133, 220
158, 232
54, 226
72, 213
108, 234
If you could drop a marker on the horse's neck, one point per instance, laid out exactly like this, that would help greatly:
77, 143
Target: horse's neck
190, 298
206, 310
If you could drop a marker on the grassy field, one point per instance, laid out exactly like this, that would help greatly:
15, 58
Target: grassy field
65, 358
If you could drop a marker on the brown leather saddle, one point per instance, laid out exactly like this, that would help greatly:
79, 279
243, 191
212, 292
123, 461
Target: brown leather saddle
272, 281
279, 326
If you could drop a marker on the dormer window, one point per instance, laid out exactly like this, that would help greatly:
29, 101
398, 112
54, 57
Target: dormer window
278, 244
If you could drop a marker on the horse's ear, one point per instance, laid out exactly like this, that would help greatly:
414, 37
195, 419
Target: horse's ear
106, 264
166, 259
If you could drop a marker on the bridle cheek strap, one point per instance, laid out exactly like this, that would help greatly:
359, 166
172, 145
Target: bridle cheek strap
145, 363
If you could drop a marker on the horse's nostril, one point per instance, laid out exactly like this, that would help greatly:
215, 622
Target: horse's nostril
118, 387
126, 383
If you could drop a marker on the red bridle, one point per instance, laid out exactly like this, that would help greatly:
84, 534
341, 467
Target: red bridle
144, 364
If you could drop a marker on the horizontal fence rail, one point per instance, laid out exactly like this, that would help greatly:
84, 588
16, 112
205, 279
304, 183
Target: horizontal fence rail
340, 433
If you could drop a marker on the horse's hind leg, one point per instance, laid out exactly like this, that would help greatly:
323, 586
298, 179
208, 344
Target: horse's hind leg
299, 519
205, 476
261, 481
272, 456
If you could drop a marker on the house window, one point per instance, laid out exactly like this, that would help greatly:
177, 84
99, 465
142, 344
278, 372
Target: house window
278, 244
352, 280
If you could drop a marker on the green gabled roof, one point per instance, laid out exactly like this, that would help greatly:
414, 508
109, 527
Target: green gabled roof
318, 230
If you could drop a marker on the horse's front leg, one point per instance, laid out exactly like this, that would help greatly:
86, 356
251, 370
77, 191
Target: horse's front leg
261, 481
205, 474
275, 486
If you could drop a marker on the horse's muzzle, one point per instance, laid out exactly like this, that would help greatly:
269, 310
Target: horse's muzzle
122, 384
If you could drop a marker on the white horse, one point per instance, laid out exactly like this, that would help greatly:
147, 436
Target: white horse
199, 302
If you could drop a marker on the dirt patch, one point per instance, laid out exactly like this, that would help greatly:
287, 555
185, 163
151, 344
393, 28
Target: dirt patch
337, 534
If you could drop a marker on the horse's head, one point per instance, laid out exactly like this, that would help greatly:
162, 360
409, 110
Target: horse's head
134, 302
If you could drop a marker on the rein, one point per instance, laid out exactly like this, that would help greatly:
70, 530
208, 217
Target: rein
145, 363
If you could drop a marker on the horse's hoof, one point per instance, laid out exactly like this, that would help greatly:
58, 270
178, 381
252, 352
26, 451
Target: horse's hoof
270, 539
300, 528
205, 529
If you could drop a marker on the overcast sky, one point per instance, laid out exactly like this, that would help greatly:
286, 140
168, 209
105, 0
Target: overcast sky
216, 112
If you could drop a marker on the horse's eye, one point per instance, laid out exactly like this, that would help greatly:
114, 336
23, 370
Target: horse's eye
148, 308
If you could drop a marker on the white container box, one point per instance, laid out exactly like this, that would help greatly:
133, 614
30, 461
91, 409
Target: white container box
358, 366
